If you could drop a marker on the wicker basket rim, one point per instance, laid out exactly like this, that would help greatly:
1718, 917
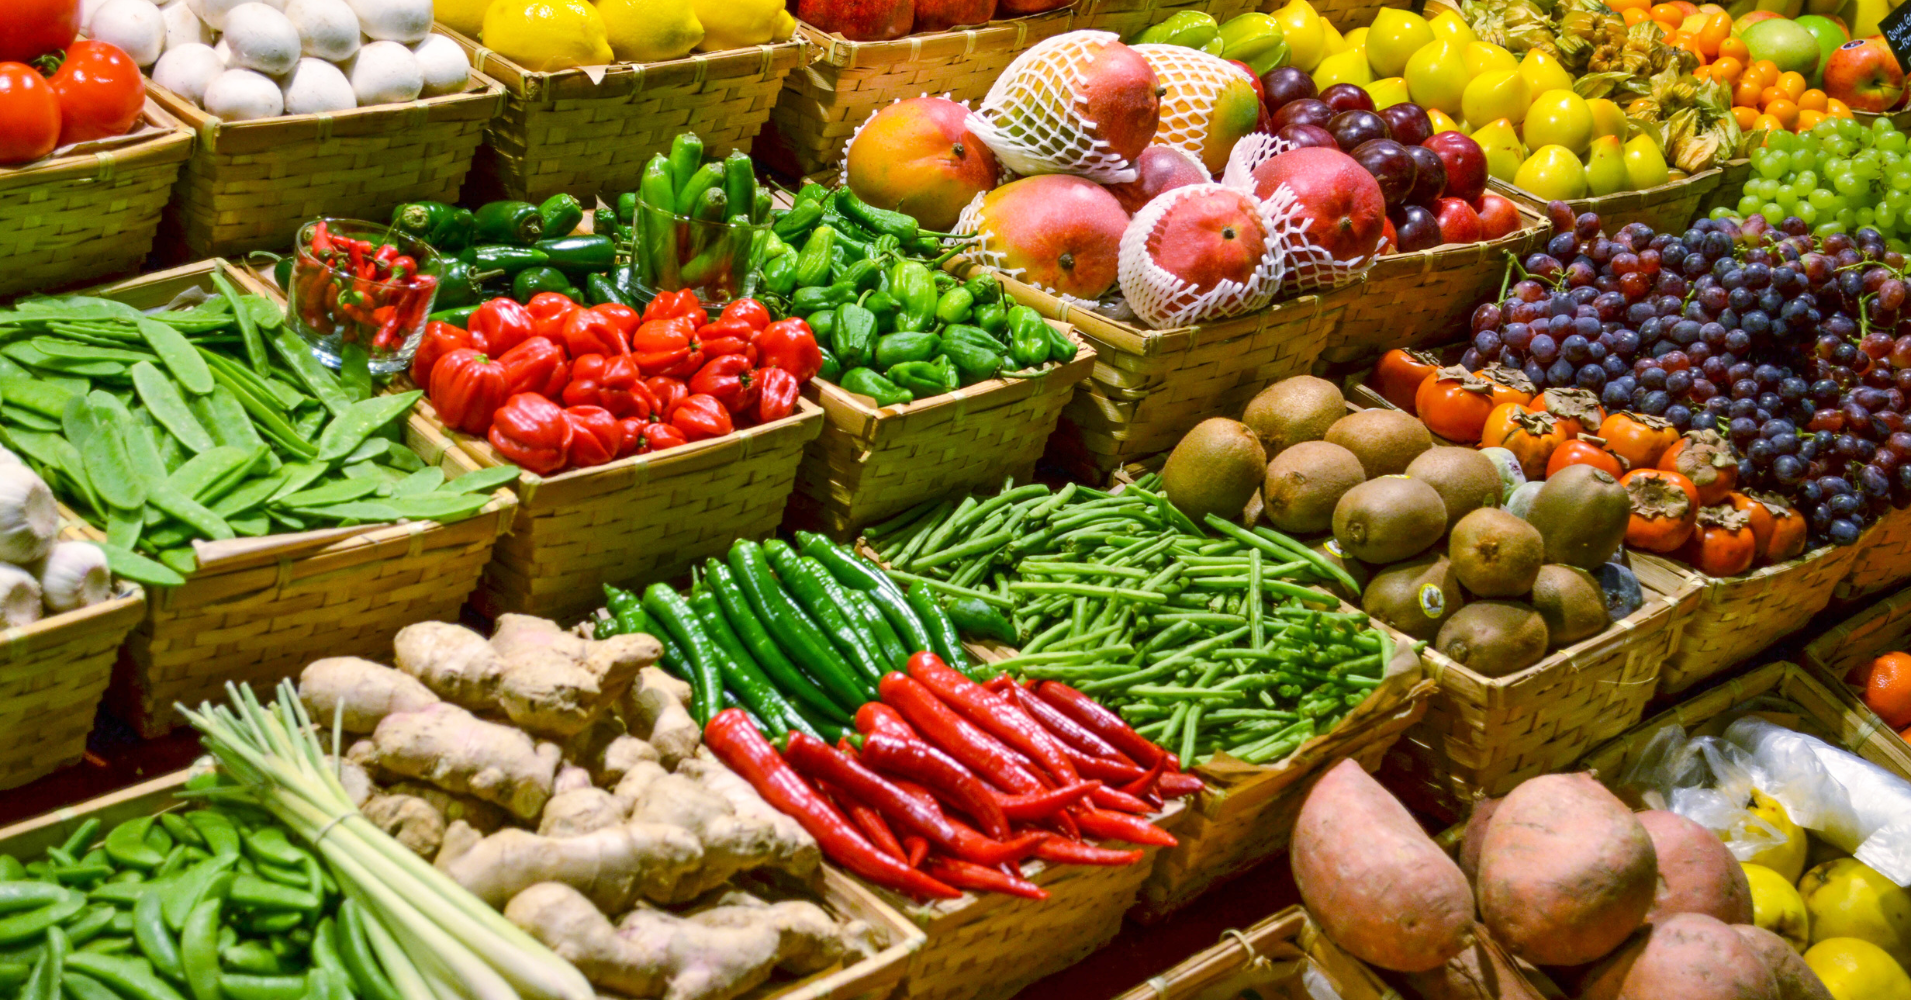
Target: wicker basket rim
1702, 580
172, 144
210, 129
1436, 257
837, 50
1656, 606
127, 597
1889, 607
533, 85
1142, 340
1684, 185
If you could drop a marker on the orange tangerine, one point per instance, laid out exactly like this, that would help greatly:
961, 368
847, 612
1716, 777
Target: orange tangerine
1767, 122
1734, 47
1792, 83
1633, 15
1783, 110
1727, 68
1836, 108
1745, 93
1812, 100
1770, 94
1746, 116
1807, 120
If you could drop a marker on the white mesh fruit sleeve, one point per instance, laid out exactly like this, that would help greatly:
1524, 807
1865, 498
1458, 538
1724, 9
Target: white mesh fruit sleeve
1309, 266
1163, 299
1191, 81
1033, 121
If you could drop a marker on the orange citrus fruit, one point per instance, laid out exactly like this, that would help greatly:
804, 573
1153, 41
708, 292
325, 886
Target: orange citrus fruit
1727, 68
1807, 119
1746, 116
1812, 100
1783, 110
1734, 47
1792, 83
1745, 92
1888, 689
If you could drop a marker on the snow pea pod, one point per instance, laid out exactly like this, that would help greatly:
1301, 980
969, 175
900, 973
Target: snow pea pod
129, 977
104, 453
154, 938
38, 395
177, 354
162, 399
33, 923
483, 480
139, 569
318, 379
224, 417
360, 421
248, 330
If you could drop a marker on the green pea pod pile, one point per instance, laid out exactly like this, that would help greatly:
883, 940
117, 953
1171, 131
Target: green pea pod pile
1208, 638
212, 422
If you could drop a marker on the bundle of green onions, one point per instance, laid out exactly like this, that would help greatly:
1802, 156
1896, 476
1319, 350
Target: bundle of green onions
434, 939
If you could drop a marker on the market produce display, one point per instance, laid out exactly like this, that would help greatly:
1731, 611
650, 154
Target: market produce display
1837, 177
551, 37
39, 575
512, 249
97, 91
696, 224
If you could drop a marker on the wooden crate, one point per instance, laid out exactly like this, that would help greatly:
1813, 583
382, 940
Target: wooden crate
1127, 18
52, 674
1884, 627
634, 521
1724, 621
825, 102
870, 462
259, 609
590, 132
250, 185
1884, 557
1287, 950
1668, 208
89, 214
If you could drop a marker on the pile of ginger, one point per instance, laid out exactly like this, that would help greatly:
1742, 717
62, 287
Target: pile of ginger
560, 779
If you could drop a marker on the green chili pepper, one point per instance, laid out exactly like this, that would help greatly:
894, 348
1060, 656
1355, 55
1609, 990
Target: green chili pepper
992, 318
774, 247
984, 287
868, 383
515, 223
446, 227
1028, 337
979, 619
822, 325
976, 355
954, 306
914, 289
812, 298
507, 260
600, 289
951, 379
1061, 349
920, 378
686, 151
798, 220
812, 262
861, 275
625, 210
533, 280
460, 316
811, 192
560, 214
854, 338
897, 348
831, 369
706, 177
658, 187
881, 221
739, 181
883, 307
779, 275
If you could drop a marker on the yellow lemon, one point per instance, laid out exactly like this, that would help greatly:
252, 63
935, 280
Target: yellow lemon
1502, 147
1436, 76
643, 31
1499, 94
1388, 92
1395, 35
1858, 970
1559, 118
1606, 166
1306, 40
1776, 905
1485, 57
1441, 123
1645, 164
1347, 67
1787, 859
1608, 120
1849, 899
733, 24
1544, 73
547, 35
1450, 26
465, 16
1552, 172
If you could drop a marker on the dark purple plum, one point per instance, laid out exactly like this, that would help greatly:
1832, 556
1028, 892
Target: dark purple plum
1307, 135
1430, 176
1415, 228
1409, 123
1306, 111
1351, 128
1286, 84
1391, 165
1347, 97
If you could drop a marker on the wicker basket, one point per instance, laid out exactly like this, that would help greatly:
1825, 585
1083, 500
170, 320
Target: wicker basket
259, 609
52, 674
1667, 208
1128, 17
87, 216
1346, 15
871, 462
1884, 627
250, 185
1287, 951
634, 521
1731, 186
1425, 297
1884, 557
1149, 386
1724, 621
566, 131
825, 102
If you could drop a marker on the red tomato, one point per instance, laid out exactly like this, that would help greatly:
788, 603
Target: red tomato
29, 114
33, 28
101, 92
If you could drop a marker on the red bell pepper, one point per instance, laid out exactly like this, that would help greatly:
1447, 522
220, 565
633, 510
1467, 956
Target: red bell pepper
776, 394
612, 383
667, 347
595, 436
588, 331
906, 757
533, 433
729, 378
957, 736
439, 340
700, 416
671, 305
668, 392
550, 313
500, 325
536, 365
631, 436
749, 312
467, 388
965, 875
789, 344
994, 713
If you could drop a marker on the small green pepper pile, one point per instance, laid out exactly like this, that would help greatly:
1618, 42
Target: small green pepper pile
208, 903
892, 324
514, 249
1206, 639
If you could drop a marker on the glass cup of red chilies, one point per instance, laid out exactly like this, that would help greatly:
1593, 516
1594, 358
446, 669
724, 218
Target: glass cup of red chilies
359, 286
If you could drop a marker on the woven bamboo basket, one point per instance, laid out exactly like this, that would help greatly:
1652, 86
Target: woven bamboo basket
1724, 621
1149, 387
1884, 627
1285, 955
566, 131
250, 185
259, 609
873, 978
1425, 297
1666, 208
1346, 15
1884, 557
1730, 188
870, 462
825, 102
637, 520
1128, 17
88, 215
52, 674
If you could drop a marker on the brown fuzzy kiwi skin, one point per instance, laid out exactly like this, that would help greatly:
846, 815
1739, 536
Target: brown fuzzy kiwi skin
1214, 469
1496, 554
1416, 597
1494, 638
1583, 513
1386, 441
1465, 479
1388, 519
1303, 484
1570, 601
1294, 410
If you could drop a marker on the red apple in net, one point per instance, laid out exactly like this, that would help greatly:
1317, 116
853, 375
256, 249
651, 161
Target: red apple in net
1459, 223
1209, 236
1338, 200
1498, 215
1162, 168
1058, 231
1465, 164
918, 156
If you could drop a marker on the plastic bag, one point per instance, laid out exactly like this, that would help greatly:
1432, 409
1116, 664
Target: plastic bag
1852, 803
1707, 782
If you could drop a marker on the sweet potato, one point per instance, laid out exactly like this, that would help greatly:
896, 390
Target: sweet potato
1474, 835
1696, 873
1481, 972
1796, 980
1566, 872
1686, 956
1378, 884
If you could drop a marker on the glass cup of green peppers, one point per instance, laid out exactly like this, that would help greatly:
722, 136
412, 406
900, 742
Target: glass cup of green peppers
702, 251
360, 286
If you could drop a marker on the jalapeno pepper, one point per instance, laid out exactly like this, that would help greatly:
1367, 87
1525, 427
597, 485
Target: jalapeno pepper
458, 282
686, 151
692, 188
446, 227
868, 383
580, 254
831, 369
533, 280
504, 259
560, 214
516, 223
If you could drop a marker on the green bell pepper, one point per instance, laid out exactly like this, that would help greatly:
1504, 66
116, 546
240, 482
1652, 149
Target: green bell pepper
533, 280
561, 213
1256, 39
920, 378
1061, 349
812, 262
514, 223
854, 338
868, 383
832, 369
914, 289
1189, 29
897, 348
1028, 337
446, 227
822, 326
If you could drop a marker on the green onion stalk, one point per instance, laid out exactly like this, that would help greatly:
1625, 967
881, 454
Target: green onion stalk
435, 940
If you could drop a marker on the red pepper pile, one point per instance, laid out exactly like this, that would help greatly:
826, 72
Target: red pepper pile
555, 385
1014, 761
363, 293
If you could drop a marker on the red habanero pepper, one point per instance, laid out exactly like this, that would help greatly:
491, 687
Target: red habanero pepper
748, 312
439, 340
875, 717
994, 713
964, 875
668, 392
956, 735
595, 436
657, 437
535, 365
1067, 731
789, 344
1099, 720
612, 383
918, 848
532, 432
667, 347
1121, 826
499, 325
700, 416
672, 305
631, 436
1042, 805
621, 316
467, 388
730, 379
736, 742
910, 758
866, 819
588, 331
776, 394
1074, 852
725, 338
550, 313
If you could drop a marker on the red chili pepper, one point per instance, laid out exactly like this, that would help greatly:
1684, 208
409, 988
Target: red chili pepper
736, 742
671, 305
499, 325
911, 758
1175, 784
668, 392
322, 240
667, 347
956, 735
535, 365
1001, 717
730, 379
1055, 850
1145, 785
1042, 805
467, 388
875, 717
1067, 731
550, 313
700, 416
532, 432
777, 392
789, 344
1121, 826
1099, 720
971, 876
1104, 770
866, 819
595, 436
918, 848
588, 331
439, 340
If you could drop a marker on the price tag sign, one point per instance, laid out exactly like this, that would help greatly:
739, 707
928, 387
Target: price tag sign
1896, 29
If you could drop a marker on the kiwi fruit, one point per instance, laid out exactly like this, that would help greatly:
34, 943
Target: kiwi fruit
1571, 602
1304, 483
1385, 441
1388, 519
1496, 554
1582, 512
1215, 469
1294, 410
1465, 479
1494, 638
1416, 596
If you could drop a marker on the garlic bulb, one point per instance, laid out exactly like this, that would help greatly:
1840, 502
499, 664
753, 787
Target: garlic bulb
75, 575
28, 516
19, 597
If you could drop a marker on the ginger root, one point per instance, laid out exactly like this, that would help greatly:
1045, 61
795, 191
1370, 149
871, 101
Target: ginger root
797, 852
545, 680
731, 843
614, 866
459, 752
410, 820
580, 811
367, 691
656, 715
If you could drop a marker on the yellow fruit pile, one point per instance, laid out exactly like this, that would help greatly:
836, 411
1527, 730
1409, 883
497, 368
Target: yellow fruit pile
550, 35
